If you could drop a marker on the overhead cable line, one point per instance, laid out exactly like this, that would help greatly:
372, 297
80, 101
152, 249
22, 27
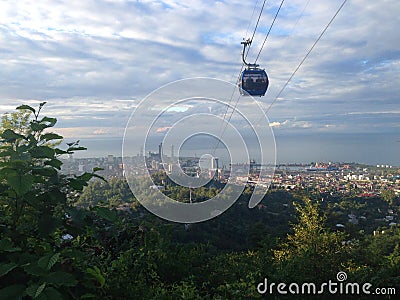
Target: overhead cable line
250, 41
247, 31
270, 28
241, 69
305, 57
255, 29
251, 18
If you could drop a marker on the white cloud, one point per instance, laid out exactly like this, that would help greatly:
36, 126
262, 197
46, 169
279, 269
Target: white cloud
84, 56
279, 124
290, 124
162, 129
275, 124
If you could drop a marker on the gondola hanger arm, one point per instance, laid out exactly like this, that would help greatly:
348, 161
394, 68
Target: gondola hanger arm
246, 43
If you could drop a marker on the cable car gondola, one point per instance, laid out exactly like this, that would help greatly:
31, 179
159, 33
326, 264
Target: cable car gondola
253, 80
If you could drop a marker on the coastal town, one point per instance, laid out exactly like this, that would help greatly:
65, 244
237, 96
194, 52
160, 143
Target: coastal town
327, 178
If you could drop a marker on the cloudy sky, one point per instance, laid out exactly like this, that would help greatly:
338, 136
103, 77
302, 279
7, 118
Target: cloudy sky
93, 61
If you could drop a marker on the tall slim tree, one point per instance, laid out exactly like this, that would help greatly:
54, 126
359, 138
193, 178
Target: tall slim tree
311, 253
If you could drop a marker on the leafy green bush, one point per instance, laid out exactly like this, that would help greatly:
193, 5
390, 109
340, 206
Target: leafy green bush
34, 200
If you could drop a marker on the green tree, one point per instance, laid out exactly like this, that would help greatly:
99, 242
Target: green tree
389, 196
311, 253
377, 259
20, 123
112, 193
17, 121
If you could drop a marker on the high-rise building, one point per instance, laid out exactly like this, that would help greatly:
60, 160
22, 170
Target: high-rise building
160, 151
141, 151
214, 166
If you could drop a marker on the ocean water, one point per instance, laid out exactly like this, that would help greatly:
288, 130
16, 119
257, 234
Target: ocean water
362, 148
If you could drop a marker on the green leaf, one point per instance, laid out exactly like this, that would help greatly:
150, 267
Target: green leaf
77, 215
48, 224
21, 184
17, 163
100, 177
75, 253
37, 127
53, 260
42, 152
22, 151
72, 149
39, 290
55, 163
13, 292
85, 176
5, 268
50, 137
56, 196
34, 269
61, 278
59, 151
27, 107
35, 290
50, 293
50, 121
96, 274
6, 245
43, 171
48, 261
96, 169
6, 152
10, 136
30, 290
6, 171
77, 184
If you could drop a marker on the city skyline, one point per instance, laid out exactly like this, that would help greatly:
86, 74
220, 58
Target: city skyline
330, 178
329, 149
